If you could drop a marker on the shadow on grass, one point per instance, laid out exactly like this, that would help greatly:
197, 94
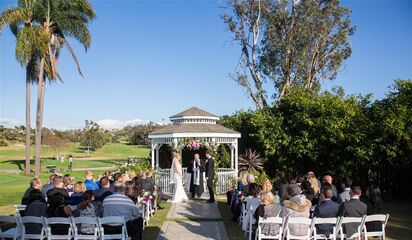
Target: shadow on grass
151, 232
233, 229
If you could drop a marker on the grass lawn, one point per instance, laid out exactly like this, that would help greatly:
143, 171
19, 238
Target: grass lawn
12, 186
152, 230
12, 157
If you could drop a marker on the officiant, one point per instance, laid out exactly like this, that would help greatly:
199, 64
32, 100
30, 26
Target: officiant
196, 180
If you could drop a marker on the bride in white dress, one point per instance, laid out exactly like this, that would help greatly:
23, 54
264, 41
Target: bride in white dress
176, 176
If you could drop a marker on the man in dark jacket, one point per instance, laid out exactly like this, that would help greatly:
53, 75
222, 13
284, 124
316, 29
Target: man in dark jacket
35, 183
210, 175
353, 208
326, 209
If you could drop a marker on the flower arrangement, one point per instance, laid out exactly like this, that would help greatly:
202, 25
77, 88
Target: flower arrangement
194, 144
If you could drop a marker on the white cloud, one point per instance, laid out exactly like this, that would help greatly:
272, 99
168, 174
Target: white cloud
113, 124
10, 122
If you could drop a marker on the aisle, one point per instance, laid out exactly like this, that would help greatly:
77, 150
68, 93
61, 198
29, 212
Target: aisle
194, 220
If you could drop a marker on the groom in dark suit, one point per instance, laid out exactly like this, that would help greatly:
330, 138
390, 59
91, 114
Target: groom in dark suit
210, 175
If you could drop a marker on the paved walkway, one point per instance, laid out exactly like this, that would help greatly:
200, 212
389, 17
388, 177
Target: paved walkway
194, 220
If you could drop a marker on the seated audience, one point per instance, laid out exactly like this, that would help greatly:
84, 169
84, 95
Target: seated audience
36, 207
326, 209
242, 181
118, 204
344, 196
353, 208
249, 180
35, 183
49, 185
117, 177
77, 197
327, 181
373, 201
280, 186
68, 184
104, 190
266, 185
296, 206
314, 183
130, 191
58, 189
307, 191
90, 185
149, 183
58, 208
251, 201
267, 208
87, 209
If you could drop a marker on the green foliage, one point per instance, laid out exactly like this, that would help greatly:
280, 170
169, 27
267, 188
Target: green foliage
94, 137
335, 134
250, 160
134, 164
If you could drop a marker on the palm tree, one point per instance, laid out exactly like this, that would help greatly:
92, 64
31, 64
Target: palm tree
250, 160
60, 18
30, 46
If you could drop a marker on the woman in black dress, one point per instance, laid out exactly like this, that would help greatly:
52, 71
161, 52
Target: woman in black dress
58, 208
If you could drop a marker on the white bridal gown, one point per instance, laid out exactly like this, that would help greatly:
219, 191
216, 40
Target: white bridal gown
179, 194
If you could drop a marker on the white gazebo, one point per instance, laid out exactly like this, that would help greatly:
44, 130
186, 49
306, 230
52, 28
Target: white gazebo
198, 125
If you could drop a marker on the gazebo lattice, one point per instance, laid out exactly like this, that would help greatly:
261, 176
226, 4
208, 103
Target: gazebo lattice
199, 125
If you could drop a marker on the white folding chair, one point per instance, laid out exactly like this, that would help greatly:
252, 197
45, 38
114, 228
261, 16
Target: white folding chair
358, 221
329, 221
307, 222
251, 220
49, 222
113, 221
14, 232
243, 211
269, 220
19, 208
376, 218
77, 224
26, 222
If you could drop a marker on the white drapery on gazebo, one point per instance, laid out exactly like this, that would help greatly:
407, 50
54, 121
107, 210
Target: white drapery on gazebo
195, 124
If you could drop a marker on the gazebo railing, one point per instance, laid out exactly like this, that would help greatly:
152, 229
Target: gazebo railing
224, 179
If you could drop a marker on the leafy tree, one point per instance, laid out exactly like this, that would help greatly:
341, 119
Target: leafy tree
288, 43
55, 143
31, 44
94, 137
59, 19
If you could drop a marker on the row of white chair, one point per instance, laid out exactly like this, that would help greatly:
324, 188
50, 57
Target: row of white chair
73, 224
311, 233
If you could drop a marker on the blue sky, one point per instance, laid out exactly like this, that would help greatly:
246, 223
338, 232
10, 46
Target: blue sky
151, 59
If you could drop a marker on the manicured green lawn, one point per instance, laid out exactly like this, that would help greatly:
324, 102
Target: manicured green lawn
13, 185
12, 157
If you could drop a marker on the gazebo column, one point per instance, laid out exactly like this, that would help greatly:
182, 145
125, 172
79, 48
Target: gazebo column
157, 155
153, 154
232, 155
236, 157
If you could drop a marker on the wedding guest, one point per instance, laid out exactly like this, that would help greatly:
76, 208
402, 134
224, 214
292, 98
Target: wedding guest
117, 177
252, 201
307, 191
328, 181
78, 189
267, 208
36, 207
150, 186
118, 204
242, 181
296, 206
346, 184
281, 186
58, 208
266, 185
249, 179
104, 190
131, 174
49, 185
90, 185
130, 191
314, 183
326, 209
58, 189
373, 201
35, 183
87, 209
353, 208
68, 184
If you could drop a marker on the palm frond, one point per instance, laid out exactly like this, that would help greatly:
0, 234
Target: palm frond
13, 16
250, 160
73, 55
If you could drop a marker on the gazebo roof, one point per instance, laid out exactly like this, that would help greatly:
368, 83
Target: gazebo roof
194, 111
194, 128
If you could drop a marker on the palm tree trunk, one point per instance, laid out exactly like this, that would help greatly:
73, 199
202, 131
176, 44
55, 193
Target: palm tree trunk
39, 116
27, 169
